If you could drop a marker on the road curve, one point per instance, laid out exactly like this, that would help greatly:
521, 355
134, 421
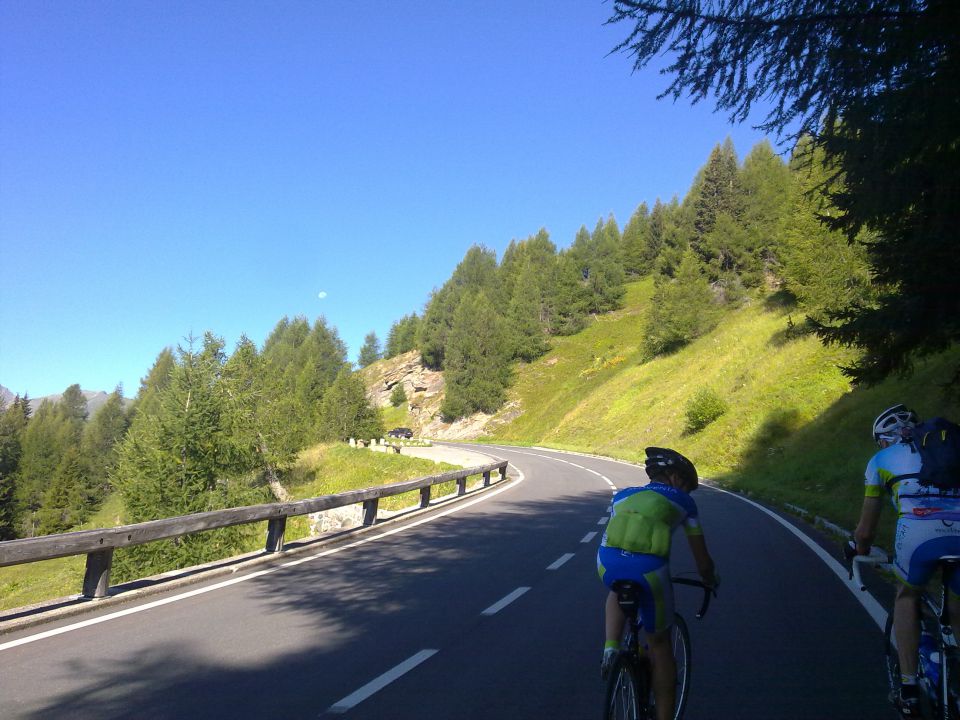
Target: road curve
492, 611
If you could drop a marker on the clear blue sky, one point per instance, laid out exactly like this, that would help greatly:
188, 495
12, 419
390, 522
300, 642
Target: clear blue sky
168, 168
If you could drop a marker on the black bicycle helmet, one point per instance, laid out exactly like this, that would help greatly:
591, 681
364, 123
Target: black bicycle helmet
661, 460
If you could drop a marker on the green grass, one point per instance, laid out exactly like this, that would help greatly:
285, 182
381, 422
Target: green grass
31, 583
321, 470
794, 431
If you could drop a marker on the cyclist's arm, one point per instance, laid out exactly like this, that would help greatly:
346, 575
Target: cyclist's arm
867, 527
698, 547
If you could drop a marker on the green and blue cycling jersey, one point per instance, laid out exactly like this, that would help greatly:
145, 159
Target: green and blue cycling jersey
642, 519
636, 545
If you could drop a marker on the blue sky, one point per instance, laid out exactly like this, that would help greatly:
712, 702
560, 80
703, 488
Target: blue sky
169, 168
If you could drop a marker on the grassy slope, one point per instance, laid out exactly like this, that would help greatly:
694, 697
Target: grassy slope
795, 431
321, 470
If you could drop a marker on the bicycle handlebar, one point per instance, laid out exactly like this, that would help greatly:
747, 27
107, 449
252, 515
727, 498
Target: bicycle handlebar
877, 556
707, 592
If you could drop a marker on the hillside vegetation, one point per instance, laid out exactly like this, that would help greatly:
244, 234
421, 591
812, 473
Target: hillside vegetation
794, 430
324, 469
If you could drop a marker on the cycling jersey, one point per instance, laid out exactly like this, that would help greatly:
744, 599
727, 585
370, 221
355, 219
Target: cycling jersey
642, 519
636, 545
928, 519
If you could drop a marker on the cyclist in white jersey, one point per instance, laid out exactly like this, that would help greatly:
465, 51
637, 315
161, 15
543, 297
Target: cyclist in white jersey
927, 530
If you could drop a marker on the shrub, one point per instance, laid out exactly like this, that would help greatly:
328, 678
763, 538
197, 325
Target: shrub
398, 396
703, 408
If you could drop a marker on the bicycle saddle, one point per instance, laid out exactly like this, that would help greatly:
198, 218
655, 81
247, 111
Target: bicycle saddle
628, 595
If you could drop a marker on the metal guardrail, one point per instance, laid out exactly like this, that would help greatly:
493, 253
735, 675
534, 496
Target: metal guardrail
98, 545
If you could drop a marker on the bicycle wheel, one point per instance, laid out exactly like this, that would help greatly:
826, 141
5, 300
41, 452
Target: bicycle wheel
680, 641
628, 690
892, 660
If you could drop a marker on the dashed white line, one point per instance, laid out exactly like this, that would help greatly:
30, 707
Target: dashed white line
588, 537
377, 684
603, 520
501, 604
559, 561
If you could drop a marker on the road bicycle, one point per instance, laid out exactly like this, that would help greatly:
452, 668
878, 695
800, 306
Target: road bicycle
629, 690
938, 675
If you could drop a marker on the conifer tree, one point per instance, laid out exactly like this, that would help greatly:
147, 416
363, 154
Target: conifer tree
370, 352
403, 336
398, 396
682, 308
347, 411
156, 379
477, 370
64, 503
820, 267
637, 260
98, 444
525, 314
13, 422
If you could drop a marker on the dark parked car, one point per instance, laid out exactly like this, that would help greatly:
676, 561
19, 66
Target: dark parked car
401, 433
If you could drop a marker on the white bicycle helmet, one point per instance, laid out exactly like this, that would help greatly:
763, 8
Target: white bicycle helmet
890, 423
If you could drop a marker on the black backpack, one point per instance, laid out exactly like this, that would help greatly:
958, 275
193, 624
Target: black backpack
938, 442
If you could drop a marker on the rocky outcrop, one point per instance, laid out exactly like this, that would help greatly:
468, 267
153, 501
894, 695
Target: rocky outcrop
424, 389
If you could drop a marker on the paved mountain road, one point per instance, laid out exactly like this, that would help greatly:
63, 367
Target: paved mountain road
492, 611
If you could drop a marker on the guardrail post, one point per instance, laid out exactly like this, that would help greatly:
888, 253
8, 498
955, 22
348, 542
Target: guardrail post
503, 473
424, 496
462, 486
486, 478
370, 511
275, 530
96, 578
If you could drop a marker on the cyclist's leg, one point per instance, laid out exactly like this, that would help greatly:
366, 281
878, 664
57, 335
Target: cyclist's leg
664, 673
906, 623
918, 548
656, 611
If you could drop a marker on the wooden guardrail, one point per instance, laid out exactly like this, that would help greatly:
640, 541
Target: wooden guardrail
98, 545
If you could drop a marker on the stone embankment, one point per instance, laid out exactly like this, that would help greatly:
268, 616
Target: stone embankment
424, 389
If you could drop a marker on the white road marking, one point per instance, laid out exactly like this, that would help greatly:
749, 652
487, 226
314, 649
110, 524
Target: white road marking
260, 573
602, 521
559, 561
588, 537
501, 604
874, 609
377, 684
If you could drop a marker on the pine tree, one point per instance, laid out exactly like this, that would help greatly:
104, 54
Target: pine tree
820, 267
403, 336
157, 378
766, 183
370, 352
682, 308
716, 191
477, 370
100, 437
64, 501
182, 459
525, 313
347, 411
13, 422
637, 260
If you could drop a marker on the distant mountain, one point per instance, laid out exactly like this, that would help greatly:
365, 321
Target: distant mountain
95, 399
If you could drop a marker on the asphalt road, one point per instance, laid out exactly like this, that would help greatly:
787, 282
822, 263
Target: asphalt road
491, 611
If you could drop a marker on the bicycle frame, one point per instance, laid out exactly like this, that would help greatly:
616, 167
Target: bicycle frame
632, 655
946, 703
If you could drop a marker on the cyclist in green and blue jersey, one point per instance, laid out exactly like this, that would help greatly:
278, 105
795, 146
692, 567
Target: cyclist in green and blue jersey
636, 546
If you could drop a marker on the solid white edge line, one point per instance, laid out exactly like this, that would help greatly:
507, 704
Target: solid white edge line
233, 581
874, 609
503, 602
556, 564
377, 684
588, 537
